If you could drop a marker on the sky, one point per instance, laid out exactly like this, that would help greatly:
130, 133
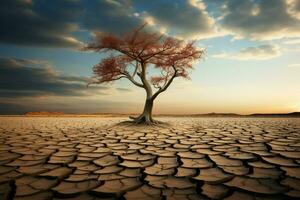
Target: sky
251, 65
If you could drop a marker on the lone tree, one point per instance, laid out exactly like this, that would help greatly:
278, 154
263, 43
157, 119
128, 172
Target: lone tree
132, 55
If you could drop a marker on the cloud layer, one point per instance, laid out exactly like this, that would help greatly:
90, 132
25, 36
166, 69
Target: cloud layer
262, 52
187, 19
261, 20
31, 78
33, 85
116, 16
58, 23
55, 23
39, 23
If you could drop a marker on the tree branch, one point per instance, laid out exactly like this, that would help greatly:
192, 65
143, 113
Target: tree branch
136, 32
103, 81
162, 89
159, 52
136, 69
131, 78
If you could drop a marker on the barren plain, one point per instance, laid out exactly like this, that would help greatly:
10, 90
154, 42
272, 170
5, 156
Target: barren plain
189, 158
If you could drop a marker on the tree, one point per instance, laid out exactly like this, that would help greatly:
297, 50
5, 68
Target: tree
132, 55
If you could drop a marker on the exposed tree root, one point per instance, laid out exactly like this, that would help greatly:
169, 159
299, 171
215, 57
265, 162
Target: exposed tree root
145, 124
143, 120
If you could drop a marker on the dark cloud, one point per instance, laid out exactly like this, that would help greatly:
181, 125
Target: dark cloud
21, 78
54, 23
297, 6
262, 19
115, 16
42, 22
182, 18
12, 108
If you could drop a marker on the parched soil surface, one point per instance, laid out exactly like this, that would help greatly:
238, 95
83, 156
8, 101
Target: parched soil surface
190, 158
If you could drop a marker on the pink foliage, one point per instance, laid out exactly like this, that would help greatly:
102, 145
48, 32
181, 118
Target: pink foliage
171, 56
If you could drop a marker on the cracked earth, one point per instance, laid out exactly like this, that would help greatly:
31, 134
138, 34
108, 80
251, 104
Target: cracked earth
191, 158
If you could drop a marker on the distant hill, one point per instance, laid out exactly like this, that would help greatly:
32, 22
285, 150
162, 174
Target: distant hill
293, 114
217, 115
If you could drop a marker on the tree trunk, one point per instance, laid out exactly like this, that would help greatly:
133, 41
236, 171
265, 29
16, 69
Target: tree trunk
146, 116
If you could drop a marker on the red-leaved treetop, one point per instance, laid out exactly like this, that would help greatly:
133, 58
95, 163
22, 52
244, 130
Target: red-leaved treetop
132, 56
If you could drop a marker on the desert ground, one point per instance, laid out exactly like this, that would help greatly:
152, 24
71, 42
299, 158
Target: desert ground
188, 158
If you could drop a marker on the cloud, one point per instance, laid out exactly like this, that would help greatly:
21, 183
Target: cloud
117, 16
32, 78
39, 23
60, 23
57, 23
33, 85
123, 89
262, 52
179, 18
297, 65
292, 42
12, 108
261, 20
